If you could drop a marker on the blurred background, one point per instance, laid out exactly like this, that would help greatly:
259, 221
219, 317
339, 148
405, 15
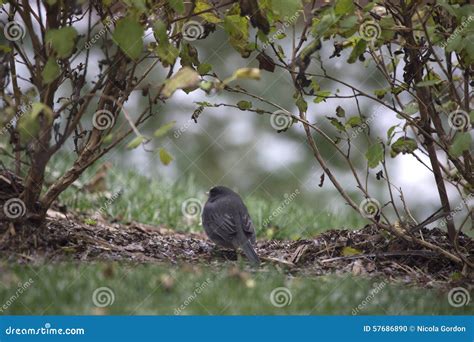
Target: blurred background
242, 150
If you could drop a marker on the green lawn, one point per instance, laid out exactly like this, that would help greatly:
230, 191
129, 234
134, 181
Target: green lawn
68, 288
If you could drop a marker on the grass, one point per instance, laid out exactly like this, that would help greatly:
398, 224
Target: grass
68, 288
160, 203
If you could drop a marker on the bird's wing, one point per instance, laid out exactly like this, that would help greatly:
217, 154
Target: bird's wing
248, 228
247, 224
223, 225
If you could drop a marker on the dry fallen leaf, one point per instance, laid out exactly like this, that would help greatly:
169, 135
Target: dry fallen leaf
358, 268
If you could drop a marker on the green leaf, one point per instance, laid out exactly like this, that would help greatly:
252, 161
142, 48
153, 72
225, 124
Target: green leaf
286, 8
411, 108
344, 7
462, 142
128, 35
455, 43
237, 28
315, 85
390, 132
51, 71
177, 6
137, 6
380, 93
166, 52
469, 49
321, 96
204, 68
137, 141
374, 155
336, 123
348, 251
206, 86
358, 50
29, 126
164, 129
185, 78
159, 30
340, 112
165, 157
301, 104
62, 40
428, 83
403, 145
244, 105
209, 16
387, 25
354, 121
188, 55
320, 26
448, 7
348, 23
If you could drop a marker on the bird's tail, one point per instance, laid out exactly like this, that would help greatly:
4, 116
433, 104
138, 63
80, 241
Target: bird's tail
250, 253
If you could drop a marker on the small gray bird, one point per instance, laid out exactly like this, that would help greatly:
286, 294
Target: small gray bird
227, 222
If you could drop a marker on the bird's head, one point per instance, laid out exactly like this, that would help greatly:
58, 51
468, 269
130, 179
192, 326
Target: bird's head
219, 191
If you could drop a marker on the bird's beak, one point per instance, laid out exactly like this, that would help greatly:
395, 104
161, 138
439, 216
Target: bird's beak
207, 193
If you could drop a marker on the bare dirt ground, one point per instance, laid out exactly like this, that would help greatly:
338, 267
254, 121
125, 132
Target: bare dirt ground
366, 251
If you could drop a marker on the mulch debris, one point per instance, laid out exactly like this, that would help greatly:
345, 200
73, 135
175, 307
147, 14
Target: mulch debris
366, 252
